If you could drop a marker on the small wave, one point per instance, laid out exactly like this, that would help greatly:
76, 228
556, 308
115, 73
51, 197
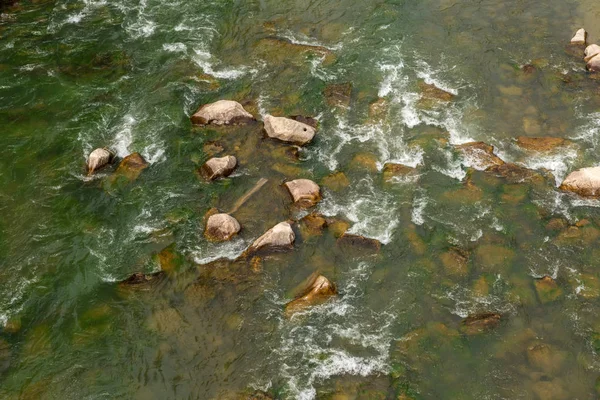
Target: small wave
204, 60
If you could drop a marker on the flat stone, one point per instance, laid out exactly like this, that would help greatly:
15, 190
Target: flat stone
218, 167
305, 192
479, 155
98, 159
479, 323
221, 227
288, 130
317, 291
222, 112
541, 144
585, 182
279, 237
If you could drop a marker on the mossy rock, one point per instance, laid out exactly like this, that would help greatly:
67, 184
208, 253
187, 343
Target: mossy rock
547, 290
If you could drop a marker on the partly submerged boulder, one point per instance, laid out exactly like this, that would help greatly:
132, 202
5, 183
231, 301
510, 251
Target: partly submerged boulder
279, 237
131, 166
432, 95
222, 112
288, 130
585, 182
479, 155
218, 167
358, 242
305, 192
98, 159
541, 144
221, 227
479, 323
400, 172
317, 291
593, 64
580, 37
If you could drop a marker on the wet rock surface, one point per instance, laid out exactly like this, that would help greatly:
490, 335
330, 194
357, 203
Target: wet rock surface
288, 130
131, 167
317, 291
541, 144
338, 94
218, 167
221, 227
304, 192
358, 243
479, 323
222, 112
585, 182
479, 155
547, 290
142, 281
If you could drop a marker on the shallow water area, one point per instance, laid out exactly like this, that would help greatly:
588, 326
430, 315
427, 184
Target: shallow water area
389, 82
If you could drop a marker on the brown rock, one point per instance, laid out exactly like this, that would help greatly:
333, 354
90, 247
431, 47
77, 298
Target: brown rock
317, 291
547, 289
221, 227
338, 95
391, 171
479, 323
455, 262
514, 173
140, 280
288, 130
359, 242
312, 224
378, 109
337, 226
585, 182
431, 94
218, 167
131, 166
556, 224
479, 155
541, 144
305, 192
222, 112
336, 181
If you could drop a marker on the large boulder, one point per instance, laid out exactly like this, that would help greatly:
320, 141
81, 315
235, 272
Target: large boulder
288, 130
305, 192
218, 167
585, 182
317, 291
279, 237
222, 112
221, 227
592, 57
98, 159
591, 51
479, 155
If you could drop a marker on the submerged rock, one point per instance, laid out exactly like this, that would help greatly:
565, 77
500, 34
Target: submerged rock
584, 182
221, 227
288, 130
393, 171
479, 155
305, 192
541, 144
279, 237
98, 159
140, 280
222, 112
514, 173
312, 225
317, 291
431, 94
338, 94
547, 289
580, 37
359, 242
218, 167
479, 323
545, 357
455, 262
336, 181
131, 166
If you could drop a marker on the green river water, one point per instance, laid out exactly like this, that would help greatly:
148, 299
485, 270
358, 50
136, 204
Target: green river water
127, 74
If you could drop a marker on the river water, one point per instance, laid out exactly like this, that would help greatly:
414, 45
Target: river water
76, 75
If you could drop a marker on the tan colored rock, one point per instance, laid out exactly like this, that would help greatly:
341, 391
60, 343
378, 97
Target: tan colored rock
541, 144
580, 37
593, 64
430, 91
547, 289
585, 182
317, 291
288, 130
591, 51
479, 323
479, 155
305, 192
218, 167
221, 227
98, 159
222, 112
281, 236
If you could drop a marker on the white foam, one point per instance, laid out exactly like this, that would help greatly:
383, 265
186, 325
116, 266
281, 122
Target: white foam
210, 252
175, 47
124, 136
204, 60
420, 201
